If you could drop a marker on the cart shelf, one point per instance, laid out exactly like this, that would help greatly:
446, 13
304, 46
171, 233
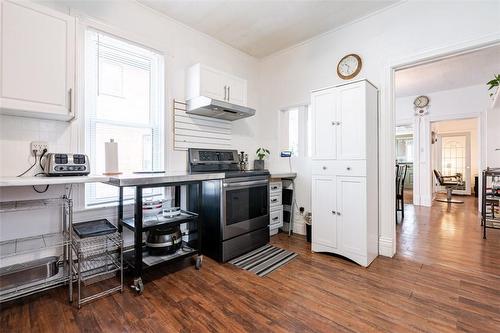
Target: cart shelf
158, 220
150, 261
31, 244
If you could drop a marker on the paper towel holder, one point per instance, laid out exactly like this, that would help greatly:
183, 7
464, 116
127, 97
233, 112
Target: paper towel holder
111, 158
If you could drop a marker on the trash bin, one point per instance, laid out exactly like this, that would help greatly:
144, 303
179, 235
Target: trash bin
308, 233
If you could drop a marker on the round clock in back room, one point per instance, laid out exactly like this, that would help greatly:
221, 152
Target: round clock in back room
349, 66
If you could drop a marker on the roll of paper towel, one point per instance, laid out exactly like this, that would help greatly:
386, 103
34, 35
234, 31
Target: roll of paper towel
111, 158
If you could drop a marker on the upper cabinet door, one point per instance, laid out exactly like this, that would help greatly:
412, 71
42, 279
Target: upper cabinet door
351, 117
324, 231
212, 83
236, 90
37, 61
323, 105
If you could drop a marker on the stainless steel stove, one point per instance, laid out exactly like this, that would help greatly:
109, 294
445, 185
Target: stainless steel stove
234, 211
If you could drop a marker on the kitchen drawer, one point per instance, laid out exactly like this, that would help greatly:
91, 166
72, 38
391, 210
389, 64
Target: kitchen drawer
340, 168
275, 187
275, 200
276, 218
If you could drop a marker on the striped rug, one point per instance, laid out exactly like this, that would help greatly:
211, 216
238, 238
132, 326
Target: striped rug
263, 260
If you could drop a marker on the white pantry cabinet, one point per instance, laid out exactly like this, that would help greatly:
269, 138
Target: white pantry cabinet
202, 80
345, 171
37, 61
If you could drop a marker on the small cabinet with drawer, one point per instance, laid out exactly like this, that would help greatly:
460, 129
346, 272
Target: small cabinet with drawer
275, 207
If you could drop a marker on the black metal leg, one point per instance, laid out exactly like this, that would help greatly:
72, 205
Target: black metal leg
403, 207
177, 196
120, 209
138, 232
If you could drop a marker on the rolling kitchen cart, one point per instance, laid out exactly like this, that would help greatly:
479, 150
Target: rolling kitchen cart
138, 259
490, 200
45, 271
99, 257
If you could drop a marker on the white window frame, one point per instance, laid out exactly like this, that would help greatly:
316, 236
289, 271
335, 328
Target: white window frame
157, 109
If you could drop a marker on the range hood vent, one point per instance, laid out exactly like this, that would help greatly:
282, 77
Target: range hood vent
208, 107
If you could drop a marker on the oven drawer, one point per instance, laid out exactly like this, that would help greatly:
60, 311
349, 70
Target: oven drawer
276, 218
341, 168
275, 200
275, 187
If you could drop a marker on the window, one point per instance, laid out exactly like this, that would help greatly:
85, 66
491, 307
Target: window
124, 102
295, 131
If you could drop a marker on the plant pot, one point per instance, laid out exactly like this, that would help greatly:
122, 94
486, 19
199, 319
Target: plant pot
258, 164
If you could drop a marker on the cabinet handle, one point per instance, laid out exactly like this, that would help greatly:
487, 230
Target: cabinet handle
275, 218
348, 168
70, 98
275, 187
334, 212
338, 213
274, 200
228, 93
225, 93
324, 168
334, 123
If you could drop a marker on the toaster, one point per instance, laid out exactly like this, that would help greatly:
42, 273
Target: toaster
57, 164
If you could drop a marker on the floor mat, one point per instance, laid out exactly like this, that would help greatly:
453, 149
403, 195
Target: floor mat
263, 260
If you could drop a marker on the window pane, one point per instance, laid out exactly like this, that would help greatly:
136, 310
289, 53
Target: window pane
134, 146
124, 93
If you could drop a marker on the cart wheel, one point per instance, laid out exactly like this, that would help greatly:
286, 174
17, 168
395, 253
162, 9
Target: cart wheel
198, 262
138, 286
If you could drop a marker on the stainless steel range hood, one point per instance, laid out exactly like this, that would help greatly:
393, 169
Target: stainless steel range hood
208, 107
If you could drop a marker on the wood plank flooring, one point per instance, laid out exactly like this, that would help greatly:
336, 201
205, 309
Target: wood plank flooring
445, 278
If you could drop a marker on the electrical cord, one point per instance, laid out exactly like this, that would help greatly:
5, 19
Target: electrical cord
31, 167
46, 186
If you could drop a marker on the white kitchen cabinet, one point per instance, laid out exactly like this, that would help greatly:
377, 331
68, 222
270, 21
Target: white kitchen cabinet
345, 178
37, 61
324, 234
324, 106
202, 80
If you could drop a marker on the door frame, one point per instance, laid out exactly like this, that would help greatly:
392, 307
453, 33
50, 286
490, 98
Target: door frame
467, 174
387, 125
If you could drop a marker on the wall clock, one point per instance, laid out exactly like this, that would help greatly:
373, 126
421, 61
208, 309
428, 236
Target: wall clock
421, 101
349, 66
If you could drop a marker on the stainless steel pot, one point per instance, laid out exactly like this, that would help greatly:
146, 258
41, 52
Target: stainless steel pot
164, 240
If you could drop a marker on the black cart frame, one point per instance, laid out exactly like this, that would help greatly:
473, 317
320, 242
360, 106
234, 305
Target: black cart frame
489, 220
134, 258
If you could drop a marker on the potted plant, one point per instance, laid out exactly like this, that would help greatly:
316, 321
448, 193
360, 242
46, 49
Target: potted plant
494, 83
261, 153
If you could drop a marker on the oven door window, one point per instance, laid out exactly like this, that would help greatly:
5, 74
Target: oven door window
246, 204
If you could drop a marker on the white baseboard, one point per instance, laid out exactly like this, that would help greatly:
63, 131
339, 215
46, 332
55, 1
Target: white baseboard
386, 247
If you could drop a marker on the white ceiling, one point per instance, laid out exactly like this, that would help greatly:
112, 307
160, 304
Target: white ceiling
260, 28
455, 72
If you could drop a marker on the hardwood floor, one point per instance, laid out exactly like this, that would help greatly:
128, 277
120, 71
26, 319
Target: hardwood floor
445, 278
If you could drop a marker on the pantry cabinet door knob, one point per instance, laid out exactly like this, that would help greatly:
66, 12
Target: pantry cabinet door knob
334, 212
338, 213
324, 167
348, 168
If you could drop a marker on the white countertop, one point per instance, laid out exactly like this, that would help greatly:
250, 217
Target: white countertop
30, 181
283, 174
138, 179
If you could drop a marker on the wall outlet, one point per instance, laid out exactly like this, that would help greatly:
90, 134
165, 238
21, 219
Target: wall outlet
38, 146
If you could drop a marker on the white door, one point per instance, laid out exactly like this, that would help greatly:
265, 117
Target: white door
324, 229
351, 133
212, 83
454, 157
236, 90
37, 61
351, 214
323, 106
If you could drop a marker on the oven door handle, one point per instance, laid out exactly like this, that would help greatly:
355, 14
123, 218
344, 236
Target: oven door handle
250, 183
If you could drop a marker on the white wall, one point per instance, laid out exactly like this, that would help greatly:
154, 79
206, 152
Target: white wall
382, 39
182, 47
